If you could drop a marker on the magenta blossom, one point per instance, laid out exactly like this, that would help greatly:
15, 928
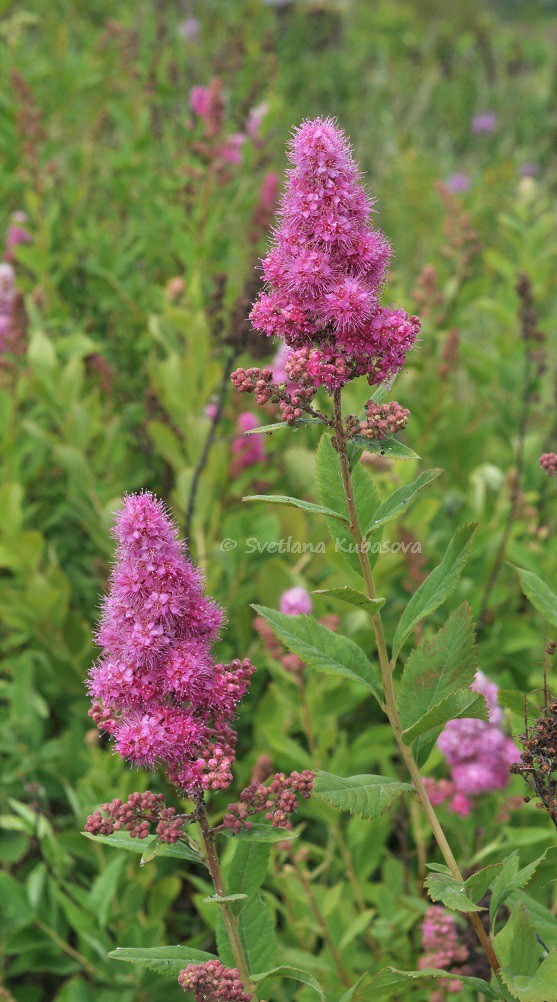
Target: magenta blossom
17, 234
295, 601
458, 183
200, 101
247, 450
327, 266
485, 122
479, 754
155, 687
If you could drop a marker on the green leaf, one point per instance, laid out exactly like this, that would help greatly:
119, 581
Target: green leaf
452, 892
315, 509
268, 429
434, 671
247, 870
457, 705
295, 974
512, 879
123, 840
437, 586
390, 447
165, 960
257, 936
400, 500
368, 796
354, 597
540, 595
519, 953
260, 833
479, 883
321, 649
478, 984
331, 494
223, 899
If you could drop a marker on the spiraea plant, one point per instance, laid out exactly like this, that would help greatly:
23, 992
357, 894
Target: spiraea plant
163, 701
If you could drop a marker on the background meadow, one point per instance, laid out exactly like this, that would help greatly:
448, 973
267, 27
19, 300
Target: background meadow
139, 227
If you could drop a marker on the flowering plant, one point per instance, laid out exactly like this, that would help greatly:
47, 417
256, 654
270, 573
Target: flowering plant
163, 701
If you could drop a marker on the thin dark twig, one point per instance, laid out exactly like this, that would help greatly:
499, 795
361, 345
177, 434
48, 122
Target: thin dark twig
529, 334
215, 421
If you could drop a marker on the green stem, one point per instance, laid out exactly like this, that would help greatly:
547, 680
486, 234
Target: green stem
229, 919
319, 918
387, 679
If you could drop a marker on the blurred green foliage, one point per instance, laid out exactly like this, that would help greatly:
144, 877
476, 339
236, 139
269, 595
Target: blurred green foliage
98, 147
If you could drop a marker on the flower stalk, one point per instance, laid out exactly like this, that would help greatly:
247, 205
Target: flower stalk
389, 705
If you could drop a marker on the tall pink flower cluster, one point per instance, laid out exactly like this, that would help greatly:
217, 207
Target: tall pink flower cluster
548, 463
155, 687
442, 947
479, 753
327, 266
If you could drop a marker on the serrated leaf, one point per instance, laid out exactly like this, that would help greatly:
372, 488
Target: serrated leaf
452, 892
400, 500
257, 936
294, 974
165, 960
434, 670
282, 499
260, 833
540, 594
479, 883
457, 705
354, 597
122, 840
321, 649
512, 879
390, 447
370, 796
524, 970
437, 586
331, 494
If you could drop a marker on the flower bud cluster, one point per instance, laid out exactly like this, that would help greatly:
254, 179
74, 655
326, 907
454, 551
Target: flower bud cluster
381, 420
277, 801
548, 463
211, 982
293, 403
538, 760
138, 815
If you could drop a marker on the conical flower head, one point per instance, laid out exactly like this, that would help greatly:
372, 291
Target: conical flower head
327, 265
155, 687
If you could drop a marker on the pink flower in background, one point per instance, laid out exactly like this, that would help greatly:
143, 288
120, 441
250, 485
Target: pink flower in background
189, 30
327, 266
442, 947
155, 687
7, 300
485, 122
458, 183
200, 101
17, 234
479, 753
255, 119
247, 451
231, 149
295, 601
